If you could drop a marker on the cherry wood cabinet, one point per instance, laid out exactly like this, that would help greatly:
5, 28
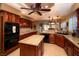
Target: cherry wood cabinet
69, 48
62, 41
31, 50
76, 51
24, 22
52, 38
9, 17
59, 40
6, 16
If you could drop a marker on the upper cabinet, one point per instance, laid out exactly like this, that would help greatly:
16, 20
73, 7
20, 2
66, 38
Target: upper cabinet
9, 17
24, 22
13, 18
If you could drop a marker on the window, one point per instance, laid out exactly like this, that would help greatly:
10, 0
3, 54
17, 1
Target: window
73, 23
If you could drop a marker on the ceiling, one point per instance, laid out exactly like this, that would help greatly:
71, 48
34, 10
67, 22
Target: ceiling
57, 9
42, 5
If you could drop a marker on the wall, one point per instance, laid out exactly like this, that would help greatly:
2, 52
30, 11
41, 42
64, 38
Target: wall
0, 5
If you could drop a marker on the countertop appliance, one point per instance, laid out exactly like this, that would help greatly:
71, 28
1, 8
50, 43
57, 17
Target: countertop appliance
11, 35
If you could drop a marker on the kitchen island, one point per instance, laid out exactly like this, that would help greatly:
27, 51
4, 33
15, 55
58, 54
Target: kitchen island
32, 46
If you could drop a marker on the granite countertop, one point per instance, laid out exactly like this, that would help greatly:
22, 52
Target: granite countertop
48, 32
74, 40
32, 40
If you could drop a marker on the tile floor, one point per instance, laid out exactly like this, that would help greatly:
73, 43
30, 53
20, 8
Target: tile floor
49, 50
53, 50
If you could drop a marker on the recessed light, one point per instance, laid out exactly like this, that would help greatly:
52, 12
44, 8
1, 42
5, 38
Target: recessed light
55, 17
46, 6
23, 12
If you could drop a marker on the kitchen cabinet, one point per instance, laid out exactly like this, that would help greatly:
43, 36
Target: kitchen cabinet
30, 50
69, 48
6, 16
52, 38
24, 22
76, 51
9, 17
59, 40
13, 18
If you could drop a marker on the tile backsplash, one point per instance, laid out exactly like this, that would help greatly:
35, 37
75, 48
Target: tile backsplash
25, 30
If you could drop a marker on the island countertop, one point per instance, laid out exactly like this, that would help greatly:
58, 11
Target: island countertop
32, 40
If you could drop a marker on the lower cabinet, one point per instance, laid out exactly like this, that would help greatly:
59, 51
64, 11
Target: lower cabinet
40, 49
52, 38
59, 40
31, 50
69, 48
76, 51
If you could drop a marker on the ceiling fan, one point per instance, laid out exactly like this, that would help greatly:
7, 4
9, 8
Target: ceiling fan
36, 8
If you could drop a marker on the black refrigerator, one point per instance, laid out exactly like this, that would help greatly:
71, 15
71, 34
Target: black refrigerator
11, 35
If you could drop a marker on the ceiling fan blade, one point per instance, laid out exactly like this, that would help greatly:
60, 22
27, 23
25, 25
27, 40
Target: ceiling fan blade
30, 12
38, 5
26, 8
39, 13
45, 9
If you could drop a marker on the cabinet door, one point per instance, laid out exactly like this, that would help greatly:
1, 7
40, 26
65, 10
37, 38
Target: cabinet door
17, 19
69, 48
51, 38
5, 16
9, 17
40, 49
13, 18
76, 51
59, 40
